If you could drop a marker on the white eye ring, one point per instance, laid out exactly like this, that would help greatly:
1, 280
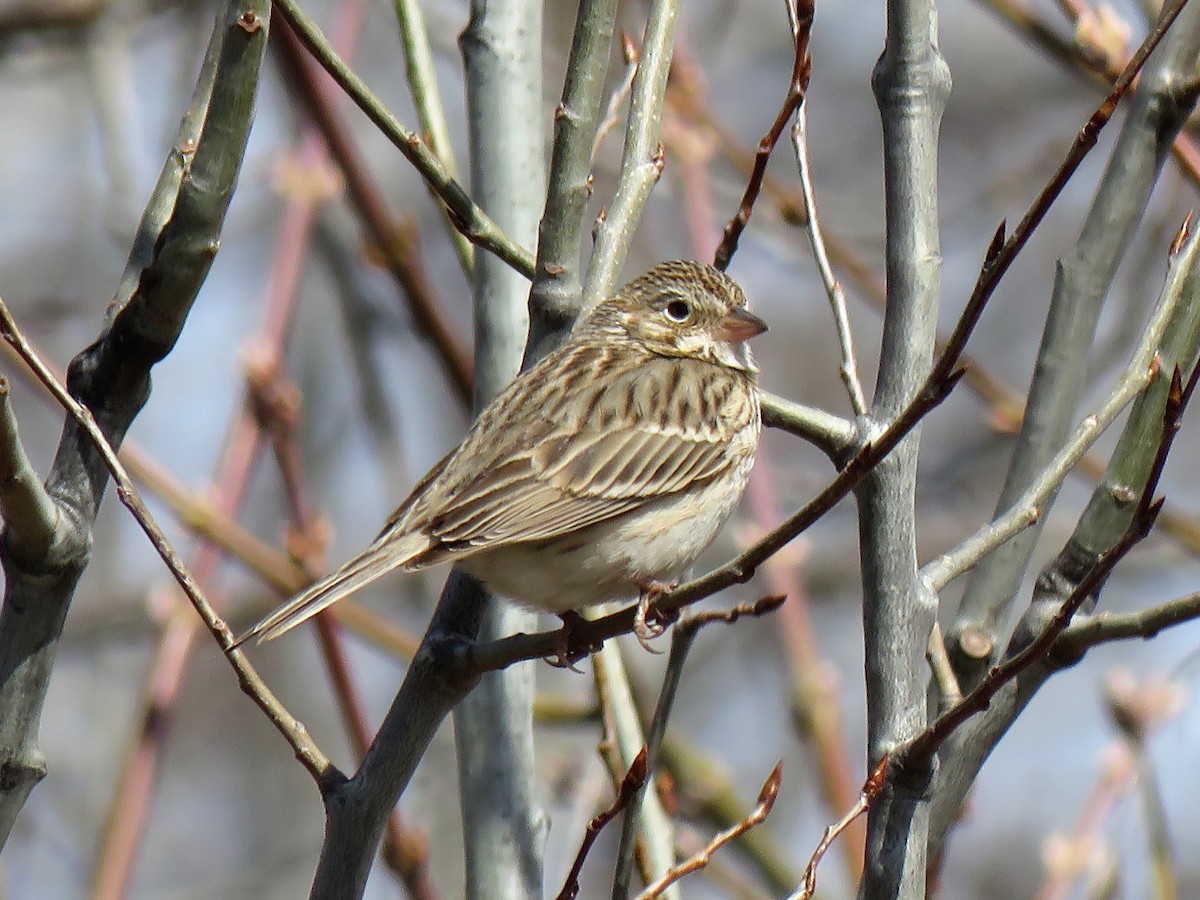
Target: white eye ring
678, 310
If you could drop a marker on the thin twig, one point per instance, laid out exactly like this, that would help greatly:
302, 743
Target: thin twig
833, 287
922, 747
755, 608
943, 670
1106, 627
275, 401
427, 100
797, 88
682, 638
612, 114
472, 221
305, 749
812, 225
766, 800
631, 784
395, 239
870, 791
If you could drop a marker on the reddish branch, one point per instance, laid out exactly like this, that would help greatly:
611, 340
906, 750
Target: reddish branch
922, 748
870, 790
801, 72
766, 800
395, 241
630, 785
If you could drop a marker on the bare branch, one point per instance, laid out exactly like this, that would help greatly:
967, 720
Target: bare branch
833, 288
833, 435
472, 221
555, 299
870, 791
293, 731
797, 88
766, 800
423, 86
631, 784
1102, 628
396, 239
503, 822
682, 638
30, 515
172, 252
642, 160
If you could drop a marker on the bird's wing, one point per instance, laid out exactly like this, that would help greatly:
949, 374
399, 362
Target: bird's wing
582, 440
618, 438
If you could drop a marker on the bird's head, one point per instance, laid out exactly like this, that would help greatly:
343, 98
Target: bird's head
681, 309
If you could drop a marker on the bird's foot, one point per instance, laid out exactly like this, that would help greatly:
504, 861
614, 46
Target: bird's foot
649, 622
565, 656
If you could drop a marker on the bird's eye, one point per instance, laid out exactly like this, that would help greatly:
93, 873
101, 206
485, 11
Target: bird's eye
679, 310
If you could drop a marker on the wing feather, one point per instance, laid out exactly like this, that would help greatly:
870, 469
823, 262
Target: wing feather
610, 446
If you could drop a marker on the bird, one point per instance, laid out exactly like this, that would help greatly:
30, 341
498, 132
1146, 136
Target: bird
601, 472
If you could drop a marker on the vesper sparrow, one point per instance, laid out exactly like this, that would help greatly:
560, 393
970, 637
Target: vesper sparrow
602, 471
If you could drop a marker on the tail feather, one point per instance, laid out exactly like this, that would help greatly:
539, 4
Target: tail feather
377, 560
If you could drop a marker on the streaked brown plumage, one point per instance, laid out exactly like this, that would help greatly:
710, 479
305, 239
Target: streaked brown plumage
609, 465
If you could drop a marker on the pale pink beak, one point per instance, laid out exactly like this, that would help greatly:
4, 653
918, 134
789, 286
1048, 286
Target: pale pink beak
739, 325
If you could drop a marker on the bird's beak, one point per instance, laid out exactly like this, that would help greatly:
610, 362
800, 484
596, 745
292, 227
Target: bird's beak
739, 325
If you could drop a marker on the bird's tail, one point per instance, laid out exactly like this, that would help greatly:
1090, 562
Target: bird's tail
385, 554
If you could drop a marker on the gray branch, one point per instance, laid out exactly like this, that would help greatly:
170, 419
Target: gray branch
1112, 504
557, 287
170, 258
503, 826
911, 84
503, 829
641, 161
1162, 103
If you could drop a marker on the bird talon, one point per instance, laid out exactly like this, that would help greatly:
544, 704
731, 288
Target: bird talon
564, 656
649, 621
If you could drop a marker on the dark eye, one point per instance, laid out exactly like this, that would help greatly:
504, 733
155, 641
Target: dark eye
679, 310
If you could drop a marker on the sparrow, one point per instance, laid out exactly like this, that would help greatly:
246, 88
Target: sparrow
600, 473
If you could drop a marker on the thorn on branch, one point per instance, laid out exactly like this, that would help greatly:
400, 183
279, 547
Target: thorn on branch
632, 57
1181, 235
249, 22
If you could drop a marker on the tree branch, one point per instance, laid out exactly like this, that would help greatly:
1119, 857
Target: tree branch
171, 255
642, 160
1160, 107
472, 221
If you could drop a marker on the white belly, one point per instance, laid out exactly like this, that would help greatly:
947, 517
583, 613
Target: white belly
608, 561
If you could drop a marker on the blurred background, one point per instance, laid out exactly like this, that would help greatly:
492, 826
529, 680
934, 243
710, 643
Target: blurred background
89, 103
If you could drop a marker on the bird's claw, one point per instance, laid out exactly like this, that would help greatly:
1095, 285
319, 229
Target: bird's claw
649, 621
564, 656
